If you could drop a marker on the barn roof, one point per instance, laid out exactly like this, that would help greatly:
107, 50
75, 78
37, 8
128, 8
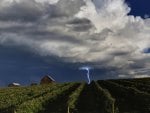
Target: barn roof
48, 76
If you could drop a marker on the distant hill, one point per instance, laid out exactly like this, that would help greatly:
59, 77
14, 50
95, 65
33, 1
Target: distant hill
102, 96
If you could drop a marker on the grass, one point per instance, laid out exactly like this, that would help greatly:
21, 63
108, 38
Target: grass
103, 96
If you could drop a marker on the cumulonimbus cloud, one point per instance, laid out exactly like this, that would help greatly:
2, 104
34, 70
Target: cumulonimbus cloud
99, 31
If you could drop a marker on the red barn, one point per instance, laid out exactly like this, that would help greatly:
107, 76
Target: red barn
47, 80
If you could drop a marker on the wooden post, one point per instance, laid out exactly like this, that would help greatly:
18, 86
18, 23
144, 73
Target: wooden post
68, 110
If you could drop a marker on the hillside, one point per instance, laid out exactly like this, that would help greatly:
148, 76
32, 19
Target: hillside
102, 96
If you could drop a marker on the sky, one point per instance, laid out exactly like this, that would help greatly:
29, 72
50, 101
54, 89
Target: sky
57, 37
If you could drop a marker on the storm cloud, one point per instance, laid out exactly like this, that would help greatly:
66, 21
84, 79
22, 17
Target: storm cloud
98, 32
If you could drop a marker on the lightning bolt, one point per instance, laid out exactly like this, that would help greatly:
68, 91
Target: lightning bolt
87, 68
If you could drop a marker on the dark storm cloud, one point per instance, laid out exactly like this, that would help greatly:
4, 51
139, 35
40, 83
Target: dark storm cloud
119, 53
52, 36
31, 17
76, 33
32, 11
80, 24
81, 28
23, 11
77, 21
16, 29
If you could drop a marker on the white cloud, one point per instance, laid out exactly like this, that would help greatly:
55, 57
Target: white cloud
110, 14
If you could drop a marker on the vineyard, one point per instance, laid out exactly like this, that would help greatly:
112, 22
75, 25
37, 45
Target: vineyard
102, 96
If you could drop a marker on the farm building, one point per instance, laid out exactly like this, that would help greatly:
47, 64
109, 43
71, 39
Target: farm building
14, 85
47, 79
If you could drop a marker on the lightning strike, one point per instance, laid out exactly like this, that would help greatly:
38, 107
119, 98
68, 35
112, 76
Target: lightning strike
87, 68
